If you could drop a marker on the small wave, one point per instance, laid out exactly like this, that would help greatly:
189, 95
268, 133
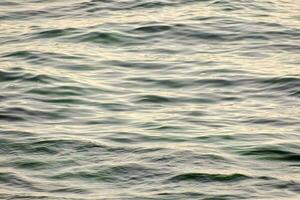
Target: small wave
128, 173
137, 65
59, 91
169, 83
271, 153
205, 177
22, 54
70, 190
24, 147
105, 38
153, 28
38, 57
26, 196
274, 122
29, 164
290, 85
55, 33
15, 180
24, 114
150, 4
26, 14
13, 75
140, 138
154, 99
55, 146
8, 3
282, 80
197, 195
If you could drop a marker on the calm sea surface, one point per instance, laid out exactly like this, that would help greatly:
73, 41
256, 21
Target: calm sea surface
149, 99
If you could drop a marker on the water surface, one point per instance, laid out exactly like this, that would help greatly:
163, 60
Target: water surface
149, 99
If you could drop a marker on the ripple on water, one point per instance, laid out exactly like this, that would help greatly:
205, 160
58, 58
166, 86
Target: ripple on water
204, 177
275, 153
149, 99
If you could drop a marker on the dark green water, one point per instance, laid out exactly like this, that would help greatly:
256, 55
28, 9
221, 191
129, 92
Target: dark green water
149, 99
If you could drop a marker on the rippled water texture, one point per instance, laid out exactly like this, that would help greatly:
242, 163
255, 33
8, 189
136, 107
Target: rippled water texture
149, 99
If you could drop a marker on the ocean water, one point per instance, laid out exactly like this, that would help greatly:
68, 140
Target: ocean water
149, 99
